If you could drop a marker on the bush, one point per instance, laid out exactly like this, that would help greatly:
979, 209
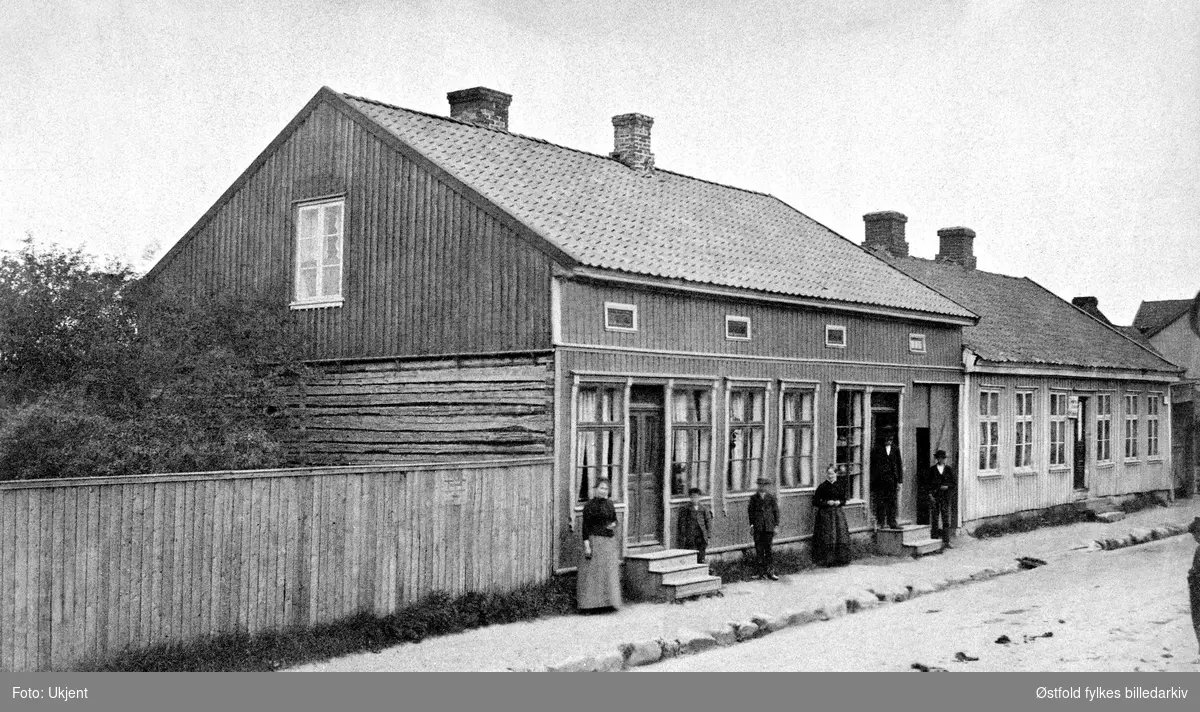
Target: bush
436, 614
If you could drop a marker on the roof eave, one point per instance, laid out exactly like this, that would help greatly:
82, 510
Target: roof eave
679, 285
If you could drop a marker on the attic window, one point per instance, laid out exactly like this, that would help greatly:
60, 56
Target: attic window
318, 275
737, 328
916, 343
835, 336
620, 317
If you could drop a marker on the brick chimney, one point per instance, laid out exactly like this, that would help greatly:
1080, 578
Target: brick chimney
885, 231
1091, 305
631, 141
957, 246
480, 106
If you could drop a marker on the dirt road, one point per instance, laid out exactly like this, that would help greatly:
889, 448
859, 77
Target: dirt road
1099, 611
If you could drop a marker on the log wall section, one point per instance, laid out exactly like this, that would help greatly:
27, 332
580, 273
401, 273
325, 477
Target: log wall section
89, 567
426, 270
395, 411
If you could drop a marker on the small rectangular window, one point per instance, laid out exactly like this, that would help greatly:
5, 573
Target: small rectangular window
620, 317
318, 268
835, 336
916, 343
737, 328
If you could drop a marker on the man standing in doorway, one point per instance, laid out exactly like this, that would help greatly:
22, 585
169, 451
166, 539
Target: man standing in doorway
887, 473
942, 486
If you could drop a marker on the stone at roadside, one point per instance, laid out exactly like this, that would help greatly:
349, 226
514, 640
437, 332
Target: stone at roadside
693, 641
858, 599
746, 630
772, 624
834, 608
920, 588
893, 592
1141, 535
609, 662
724, 635
584, 663
643, 653
795, 617
1110, 517
670, 648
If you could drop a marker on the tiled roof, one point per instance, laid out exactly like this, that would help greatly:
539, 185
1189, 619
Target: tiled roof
1152, 317
608, 216
1022, 322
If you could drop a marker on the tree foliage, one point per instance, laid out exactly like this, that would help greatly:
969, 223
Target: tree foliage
102, 374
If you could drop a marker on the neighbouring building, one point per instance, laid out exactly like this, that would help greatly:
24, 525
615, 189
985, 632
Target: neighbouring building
1166, 326
468, 291
1060, 406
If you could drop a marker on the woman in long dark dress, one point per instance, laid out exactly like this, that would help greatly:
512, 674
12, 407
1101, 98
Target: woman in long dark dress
599, 578
831, 535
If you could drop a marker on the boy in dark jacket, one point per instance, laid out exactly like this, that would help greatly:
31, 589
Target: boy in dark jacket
764, 518
695, 521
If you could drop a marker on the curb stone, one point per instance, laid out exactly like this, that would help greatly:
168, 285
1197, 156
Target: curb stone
1142, 535
691, 642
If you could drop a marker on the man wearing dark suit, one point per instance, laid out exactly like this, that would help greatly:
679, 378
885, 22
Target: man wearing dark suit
943, 484
887, 473
764, 518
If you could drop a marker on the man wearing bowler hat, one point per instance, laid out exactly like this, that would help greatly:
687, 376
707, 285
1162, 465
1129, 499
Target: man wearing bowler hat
764, 518
942, 485
887, 473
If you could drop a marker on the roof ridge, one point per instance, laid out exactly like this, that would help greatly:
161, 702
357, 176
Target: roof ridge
536, 139
964, 269
1110, 327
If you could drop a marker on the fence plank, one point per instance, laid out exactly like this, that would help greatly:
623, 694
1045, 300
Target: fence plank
88, 569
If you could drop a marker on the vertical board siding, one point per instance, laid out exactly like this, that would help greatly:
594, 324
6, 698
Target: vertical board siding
695, 323
1007, 491
88, 569
414, 248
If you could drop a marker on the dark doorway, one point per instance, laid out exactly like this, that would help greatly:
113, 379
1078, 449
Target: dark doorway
1079, 446
646, 452
923, 461
885, 420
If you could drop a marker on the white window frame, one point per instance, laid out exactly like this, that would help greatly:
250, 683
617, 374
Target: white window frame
707, 428
1130, 431
835, 329
1023, 449
856, 485
811, 390
916, 343
991, 442
747, 426
319, 299
618, 429
740, 320
608, 326
1104, 427
1153, 425
1058, 426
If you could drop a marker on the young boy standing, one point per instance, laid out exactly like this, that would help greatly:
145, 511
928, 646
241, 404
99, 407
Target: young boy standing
695, 521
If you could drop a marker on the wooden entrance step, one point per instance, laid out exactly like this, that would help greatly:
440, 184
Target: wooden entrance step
667, 575
909, 540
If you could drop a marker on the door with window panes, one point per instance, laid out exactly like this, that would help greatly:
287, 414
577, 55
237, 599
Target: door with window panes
647, 434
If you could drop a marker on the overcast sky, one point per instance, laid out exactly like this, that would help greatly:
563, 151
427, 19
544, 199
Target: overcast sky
1065, 133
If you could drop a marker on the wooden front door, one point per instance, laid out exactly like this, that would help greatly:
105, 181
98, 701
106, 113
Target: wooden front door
644, 491
1079, 447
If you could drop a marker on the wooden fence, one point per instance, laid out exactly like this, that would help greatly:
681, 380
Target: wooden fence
89, 567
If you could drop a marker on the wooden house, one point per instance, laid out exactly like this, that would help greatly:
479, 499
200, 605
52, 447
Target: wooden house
1167, 326
470, 291
1061, 406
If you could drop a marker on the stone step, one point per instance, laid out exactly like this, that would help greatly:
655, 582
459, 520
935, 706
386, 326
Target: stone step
696, 585
665, 560
682, 572
923, 547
